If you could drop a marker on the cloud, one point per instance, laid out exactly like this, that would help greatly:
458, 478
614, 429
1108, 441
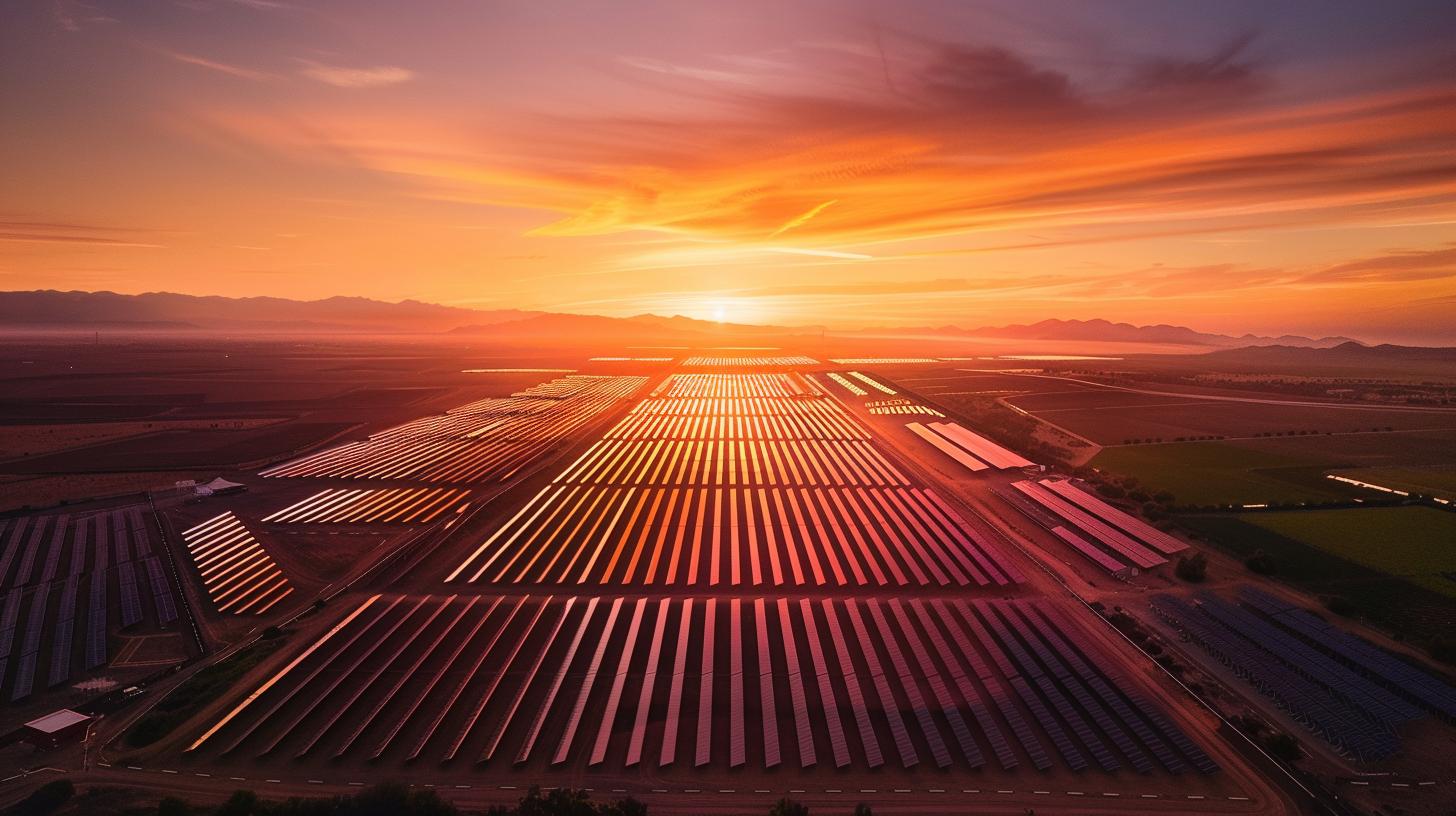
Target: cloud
39, 232
1396, 266
73, 15
220, 67
376, 77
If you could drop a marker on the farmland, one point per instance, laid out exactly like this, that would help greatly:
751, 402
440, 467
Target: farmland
1413, 543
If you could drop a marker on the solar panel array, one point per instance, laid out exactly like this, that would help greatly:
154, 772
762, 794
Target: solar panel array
1112, 539
774, 361
239, 575
486, 440
901, 406
400, 505
881, 360
872, 382
1389, 670
736, 480
722, 683
1350, 711
971, 449
848, 384
56, 572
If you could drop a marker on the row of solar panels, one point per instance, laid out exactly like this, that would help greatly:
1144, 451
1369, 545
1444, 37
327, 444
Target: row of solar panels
970, 449
894, 660
1385, 668
27, 540
1329, 704
25, 646
1122, 541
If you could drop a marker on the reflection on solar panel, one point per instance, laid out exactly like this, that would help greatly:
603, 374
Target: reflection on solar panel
239, 575
1159, 540
749, 362
872, 382
402, 505
847, 384
927, 664
589, 534
901, 406
489, 439
881, 360
1105, 534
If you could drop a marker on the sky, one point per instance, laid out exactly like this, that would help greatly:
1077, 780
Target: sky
1234, 166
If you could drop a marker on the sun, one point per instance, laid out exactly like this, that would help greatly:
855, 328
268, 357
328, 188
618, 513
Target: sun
719, 312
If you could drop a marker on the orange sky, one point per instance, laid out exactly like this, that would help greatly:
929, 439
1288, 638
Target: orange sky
1233, 167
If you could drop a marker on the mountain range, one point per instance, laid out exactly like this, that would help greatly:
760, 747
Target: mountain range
166, 311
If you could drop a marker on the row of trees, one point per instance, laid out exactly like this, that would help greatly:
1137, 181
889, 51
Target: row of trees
380, 800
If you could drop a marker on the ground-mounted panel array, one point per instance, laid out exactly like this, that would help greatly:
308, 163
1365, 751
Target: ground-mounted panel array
1352, 694
239, 575
901, 407
67, 579
1114, 540
507, 681
737, 480
486, 440
967, 447
399, 505
771, 536
761, 361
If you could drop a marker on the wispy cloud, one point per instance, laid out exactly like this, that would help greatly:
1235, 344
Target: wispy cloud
221, 67
342, 77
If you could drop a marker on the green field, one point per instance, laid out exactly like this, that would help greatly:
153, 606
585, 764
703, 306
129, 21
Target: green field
1414, 543
1213, 473
1409, 607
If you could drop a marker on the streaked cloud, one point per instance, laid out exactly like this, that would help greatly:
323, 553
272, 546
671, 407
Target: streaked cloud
342, 77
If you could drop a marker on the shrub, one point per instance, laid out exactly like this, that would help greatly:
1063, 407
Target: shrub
788, 807
1260, 562
46, 799
1192, 568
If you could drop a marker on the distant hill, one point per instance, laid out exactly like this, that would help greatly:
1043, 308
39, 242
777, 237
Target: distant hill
168, 311
165, 311
639, 329
1349, 353
1109, 332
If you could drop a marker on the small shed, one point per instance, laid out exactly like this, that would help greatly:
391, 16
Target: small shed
219, 487
56, 729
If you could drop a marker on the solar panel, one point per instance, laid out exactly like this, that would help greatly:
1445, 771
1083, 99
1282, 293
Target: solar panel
161, 589
96, 621
797, 695
703, 754
131, 602
857, 705
918, 705
938, 689
53, 553
573, 721
619, 681
890, 707
737, 743
963, 683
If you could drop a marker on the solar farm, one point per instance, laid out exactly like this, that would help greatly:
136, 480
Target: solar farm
735, 584
68, 584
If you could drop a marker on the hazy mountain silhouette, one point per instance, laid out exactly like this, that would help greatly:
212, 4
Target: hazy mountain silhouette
169, 311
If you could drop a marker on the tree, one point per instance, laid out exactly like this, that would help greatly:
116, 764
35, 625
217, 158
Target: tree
788, 807
863, 809
1192, 568
241, 803
46, 799
173, 806
1261, 563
